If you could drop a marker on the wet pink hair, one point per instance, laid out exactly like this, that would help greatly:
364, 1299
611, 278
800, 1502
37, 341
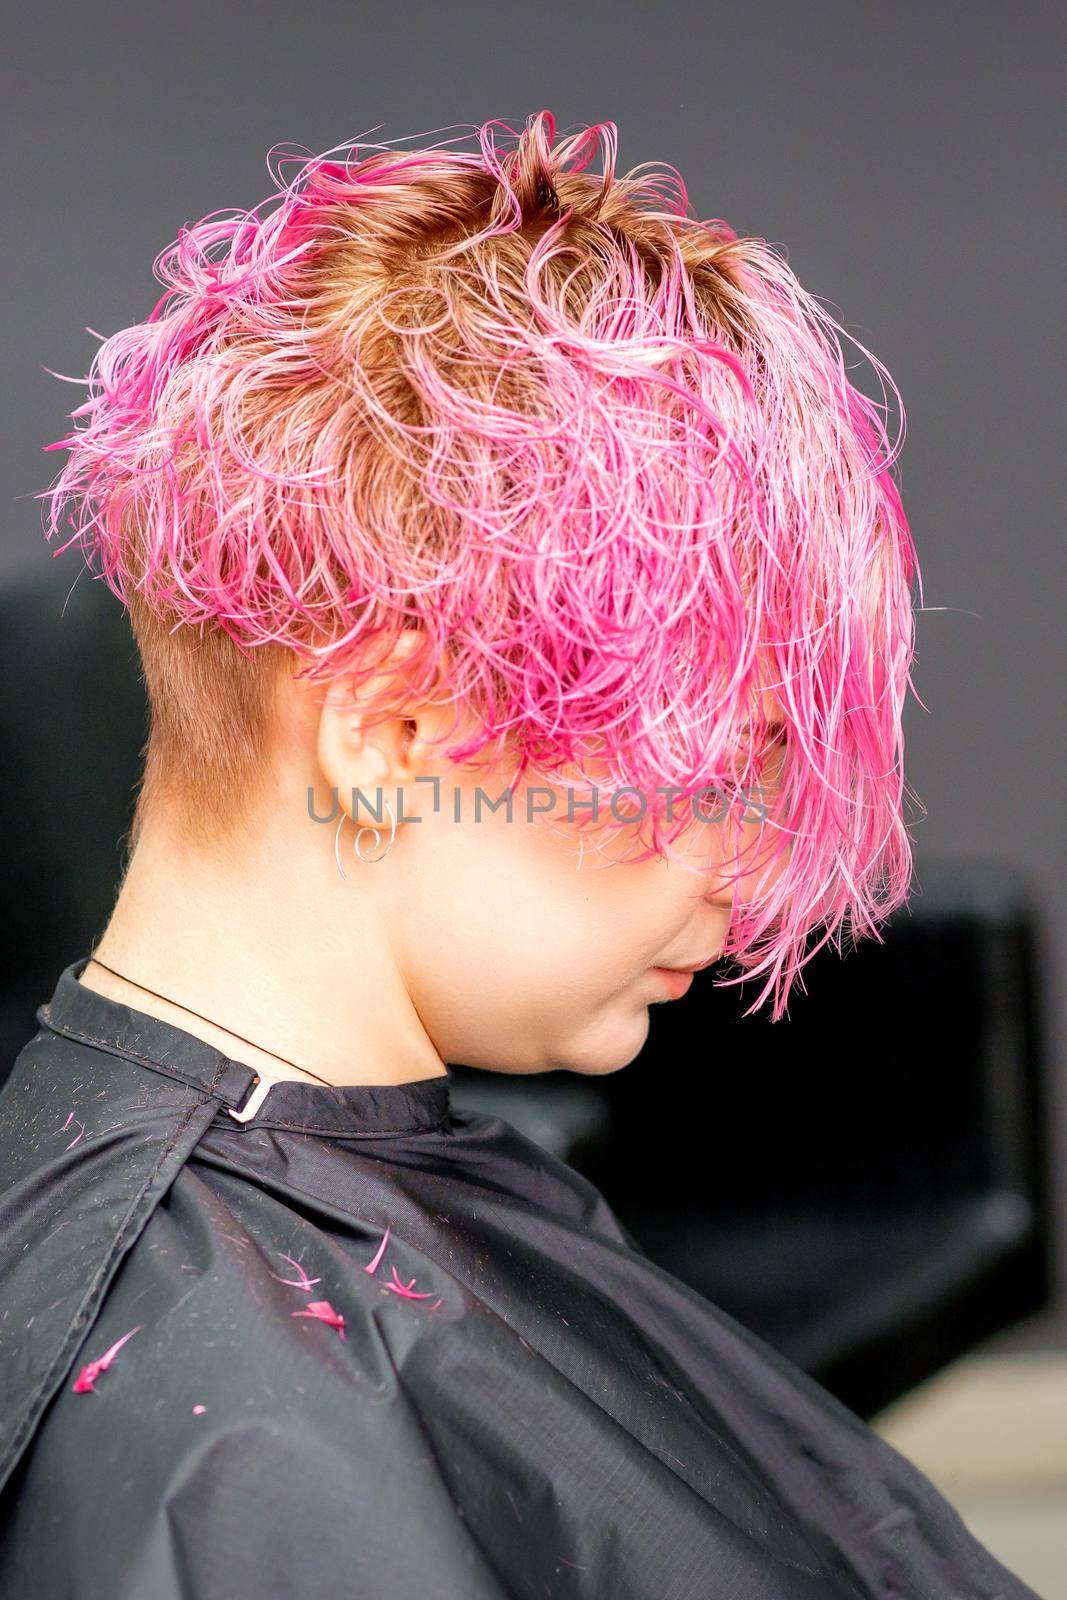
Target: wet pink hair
604, 455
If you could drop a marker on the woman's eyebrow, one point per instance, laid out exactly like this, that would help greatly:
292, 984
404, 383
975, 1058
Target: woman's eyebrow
778, 729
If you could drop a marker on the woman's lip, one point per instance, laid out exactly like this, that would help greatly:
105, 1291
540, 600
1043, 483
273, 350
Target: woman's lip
675, 979
697, 966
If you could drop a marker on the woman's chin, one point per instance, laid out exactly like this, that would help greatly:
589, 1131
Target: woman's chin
610, 1048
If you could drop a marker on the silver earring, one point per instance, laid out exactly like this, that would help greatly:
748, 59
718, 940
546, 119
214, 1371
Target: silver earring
370, 860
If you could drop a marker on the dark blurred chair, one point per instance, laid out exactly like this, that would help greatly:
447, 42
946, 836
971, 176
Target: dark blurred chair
862, 1184
72, 725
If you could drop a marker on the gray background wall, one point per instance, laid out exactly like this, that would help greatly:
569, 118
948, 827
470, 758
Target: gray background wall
903, 155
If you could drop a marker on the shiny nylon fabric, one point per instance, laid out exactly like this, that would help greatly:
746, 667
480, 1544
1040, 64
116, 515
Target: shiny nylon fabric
555, 1417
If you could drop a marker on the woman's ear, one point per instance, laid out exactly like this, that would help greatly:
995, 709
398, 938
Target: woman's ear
357, 754
349, 756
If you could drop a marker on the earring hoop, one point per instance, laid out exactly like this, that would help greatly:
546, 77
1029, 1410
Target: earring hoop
368, 860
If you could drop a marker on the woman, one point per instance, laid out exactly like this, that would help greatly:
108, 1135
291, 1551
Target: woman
523, 599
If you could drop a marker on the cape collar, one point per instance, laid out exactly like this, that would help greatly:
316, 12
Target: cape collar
251, 1098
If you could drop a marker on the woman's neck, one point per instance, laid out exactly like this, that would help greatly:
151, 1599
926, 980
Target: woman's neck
264, 950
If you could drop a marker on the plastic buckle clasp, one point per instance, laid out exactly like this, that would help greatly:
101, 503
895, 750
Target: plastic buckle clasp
261, 1087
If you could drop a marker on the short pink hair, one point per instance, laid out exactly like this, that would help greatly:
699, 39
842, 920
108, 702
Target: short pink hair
604, 456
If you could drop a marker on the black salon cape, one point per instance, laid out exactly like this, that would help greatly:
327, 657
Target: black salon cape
554, 1416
